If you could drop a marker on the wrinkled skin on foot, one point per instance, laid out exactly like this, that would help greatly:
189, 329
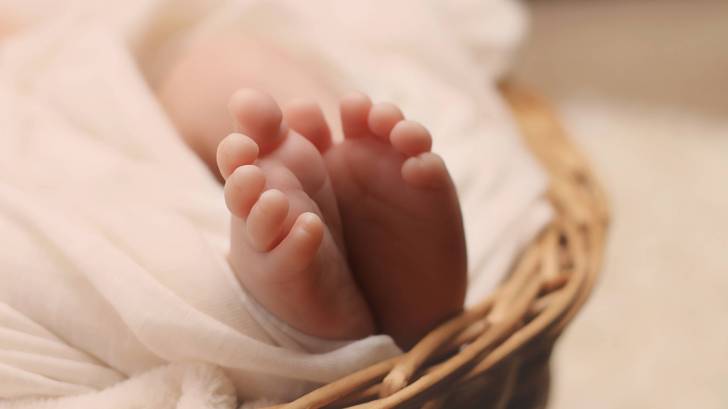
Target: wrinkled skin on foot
400, 213
341, 240
286, 245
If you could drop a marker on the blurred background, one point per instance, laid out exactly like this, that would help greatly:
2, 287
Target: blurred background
642, 87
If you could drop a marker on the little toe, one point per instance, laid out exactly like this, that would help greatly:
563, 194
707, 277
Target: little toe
242, 189
355, 115
258, 115
425, 171
266, 219
298, 249
410, 138
382, 119
234, 151
306, 117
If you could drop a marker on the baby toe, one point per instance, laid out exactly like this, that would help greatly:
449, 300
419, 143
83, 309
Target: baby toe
234, 151
382, 119
298, 249
410, 138
258, 115
355, 115
266, 219
425, 171
242, 189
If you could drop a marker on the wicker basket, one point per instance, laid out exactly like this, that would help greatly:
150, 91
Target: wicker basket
496, 354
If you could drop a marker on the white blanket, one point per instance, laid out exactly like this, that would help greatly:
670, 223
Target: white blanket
113, 234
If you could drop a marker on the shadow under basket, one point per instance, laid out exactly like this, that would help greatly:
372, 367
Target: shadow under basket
496, 354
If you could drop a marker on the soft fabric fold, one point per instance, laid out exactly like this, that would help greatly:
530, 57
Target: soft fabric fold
113, 271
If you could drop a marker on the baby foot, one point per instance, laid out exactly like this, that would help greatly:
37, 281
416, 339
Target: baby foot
285, 235
401, 217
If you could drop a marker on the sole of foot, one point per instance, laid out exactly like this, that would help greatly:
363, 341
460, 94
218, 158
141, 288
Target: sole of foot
286, 242
400, 214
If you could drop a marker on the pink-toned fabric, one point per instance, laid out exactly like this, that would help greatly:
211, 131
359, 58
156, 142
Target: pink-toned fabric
114, 235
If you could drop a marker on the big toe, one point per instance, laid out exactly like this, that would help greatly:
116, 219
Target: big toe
306, 117
354, 109
258, 115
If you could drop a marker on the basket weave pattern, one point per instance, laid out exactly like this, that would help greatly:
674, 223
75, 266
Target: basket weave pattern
496, 354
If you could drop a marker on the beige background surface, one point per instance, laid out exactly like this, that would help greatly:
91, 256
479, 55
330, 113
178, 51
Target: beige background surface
643, 88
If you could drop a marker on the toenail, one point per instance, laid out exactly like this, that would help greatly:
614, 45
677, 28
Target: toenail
309, 222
